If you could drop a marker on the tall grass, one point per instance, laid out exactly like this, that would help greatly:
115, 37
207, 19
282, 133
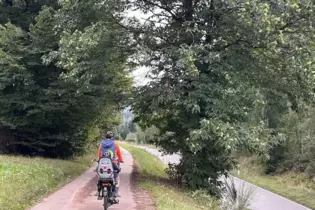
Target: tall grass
23, 180
294, 186
234, 198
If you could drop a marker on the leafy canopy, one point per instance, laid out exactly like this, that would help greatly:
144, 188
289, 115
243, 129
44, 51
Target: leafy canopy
62, 75
213, 65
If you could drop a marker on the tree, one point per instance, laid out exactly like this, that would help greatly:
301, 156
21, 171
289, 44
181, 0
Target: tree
151, 134
63, 73
210, 63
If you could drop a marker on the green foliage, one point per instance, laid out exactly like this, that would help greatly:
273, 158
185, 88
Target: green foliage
62, 75
143, 135
148, 135
132, 137
132, 127
151, 134
124, 132
140, 136
214, 66
298, 149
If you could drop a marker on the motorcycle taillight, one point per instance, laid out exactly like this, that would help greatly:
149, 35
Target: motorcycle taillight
109, 171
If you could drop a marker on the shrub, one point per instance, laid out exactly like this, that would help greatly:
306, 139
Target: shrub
131, 137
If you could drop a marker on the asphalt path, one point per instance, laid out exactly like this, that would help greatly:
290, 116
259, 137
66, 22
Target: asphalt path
262, 199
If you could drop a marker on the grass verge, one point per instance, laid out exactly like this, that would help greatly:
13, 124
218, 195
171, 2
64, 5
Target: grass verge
293, 186
166, 197
135, 144
24, 181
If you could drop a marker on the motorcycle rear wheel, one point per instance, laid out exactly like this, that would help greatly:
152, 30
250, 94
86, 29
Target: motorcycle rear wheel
105, 199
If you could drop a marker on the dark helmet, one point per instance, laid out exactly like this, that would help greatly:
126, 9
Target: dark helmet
109, 134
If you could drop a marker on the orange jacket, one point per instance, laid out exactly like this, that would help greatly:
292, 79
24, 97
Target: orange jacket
118, 152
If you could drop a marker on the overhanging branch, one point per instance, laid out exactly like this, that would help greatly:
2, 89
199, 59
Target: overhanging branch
165, 8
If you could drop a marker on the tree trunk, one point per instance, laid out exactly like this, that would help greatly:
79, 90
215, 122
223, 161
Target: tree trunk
6, 141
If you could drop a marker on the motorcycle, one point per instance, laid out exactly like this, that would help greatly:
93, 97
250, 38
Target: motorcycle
106, 182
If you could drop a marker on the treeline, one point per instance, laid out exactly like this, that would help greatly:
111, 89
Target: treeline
62, 74
130, 131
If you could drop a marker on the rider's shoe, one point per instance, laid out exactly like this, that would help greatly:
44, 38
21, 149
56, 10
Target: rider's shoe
114, 200
98, 196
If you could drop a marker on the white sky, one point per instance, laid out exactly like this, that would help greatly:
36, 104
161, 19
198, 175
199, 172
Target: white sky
139, 75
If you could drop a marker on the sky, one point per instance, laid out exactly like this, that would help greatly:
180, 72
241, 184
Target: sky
139, 75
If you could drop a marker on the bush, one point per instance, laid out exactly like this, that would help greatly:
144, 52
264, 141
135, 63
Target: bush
310, 171
131, 137
296, 153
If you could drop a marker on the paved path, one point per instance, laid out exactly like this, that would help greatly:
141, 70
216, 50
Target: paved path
263, 199
78, 195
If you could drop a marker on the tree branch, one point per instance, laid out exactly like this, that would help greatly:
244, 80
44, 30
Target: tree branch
290, 23
165, 8
188, 5
126, 27
236, 42
26, 5
195, 3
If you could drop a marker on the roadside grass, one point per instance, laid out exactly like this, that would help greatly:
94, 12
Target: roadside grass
166, 195
293, 186
24, 181
135, 144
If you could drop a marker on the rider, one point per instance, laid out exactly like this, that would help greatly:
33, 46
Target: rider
116, 159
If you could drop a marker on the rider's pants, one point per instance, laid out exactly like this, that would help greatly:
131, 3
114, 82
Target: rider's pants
116, 169
116, 176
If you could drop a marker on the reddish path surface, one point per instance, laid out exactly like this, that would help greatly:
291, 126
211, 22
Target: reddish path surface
79, 194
